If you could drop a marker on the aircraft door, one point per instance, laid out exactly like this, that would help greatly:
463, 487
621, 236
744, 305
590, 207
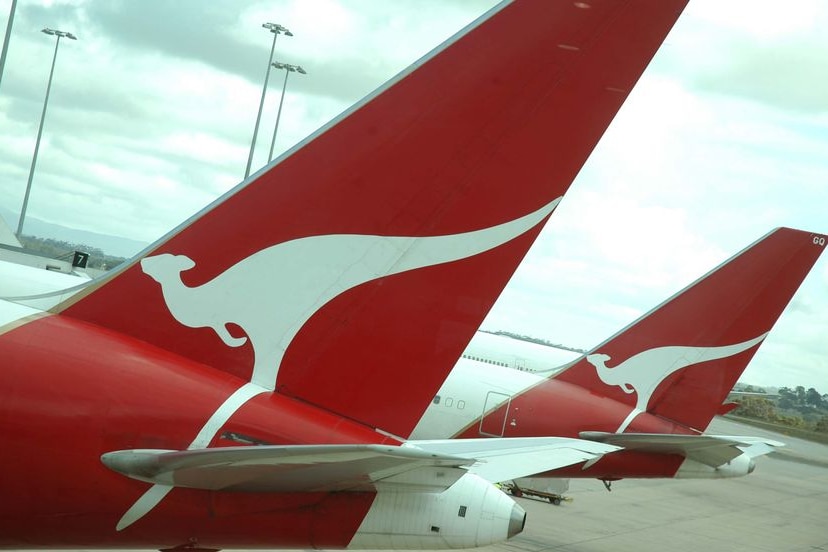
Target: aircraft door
495, 410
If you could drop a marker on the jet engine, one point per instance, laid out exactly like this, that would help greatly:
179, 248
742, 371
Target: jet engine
736, 467
470, 513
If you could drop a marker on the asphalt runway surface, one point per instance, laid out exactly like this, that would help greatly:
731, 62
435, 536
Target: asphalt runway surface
781, 506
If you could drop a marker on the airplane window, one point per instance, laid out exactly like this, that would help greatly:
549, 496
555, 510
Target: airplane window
449, 401
436, 399
461, 405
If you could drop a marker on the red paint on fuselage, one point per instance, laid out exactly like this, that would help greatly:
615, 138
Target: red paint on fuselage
65, 405
625, 464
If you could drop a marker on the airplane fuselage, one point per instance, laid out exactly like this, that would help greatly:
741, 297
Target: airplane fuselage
112, 393
482, 399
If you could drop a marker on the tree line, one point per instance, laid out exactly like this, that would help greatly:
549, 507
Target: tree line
58, 249
795, 407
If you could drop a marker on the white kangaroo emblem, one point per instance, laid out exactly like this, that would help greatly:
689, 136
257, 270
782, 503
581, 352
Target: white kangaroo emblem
274, 292
643, 373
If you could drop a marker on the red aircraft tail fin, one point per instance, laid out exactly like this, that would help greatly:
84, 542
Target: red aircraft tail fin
358, 265
680, 360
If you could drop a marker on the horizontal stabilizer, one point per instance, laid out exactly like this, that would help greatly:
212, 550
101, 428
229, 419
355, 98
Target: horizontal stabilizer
417, 466
711, 450
727, 408
511, 458
295, 468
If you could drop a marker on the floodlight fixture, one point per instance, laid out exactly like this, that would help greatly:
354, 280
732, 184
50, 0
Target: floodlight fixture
59, 34
276, 29
288, 70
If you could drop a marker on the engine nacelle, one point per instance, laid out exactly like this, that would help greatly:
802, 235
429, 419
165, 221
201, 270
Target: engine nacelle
470, 513
737, 467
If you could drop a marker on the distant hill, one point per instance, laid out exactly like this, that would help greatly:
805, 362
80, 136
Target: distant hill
111, 245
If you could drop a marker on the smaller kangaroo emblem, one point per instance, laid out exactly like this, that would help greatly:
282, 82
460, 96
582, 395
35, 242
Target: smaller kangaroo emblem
643, 373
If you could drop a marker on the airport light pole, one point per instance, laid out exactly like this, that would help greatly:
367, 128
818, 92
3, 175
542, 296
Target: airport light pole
276, 29
288, 70
59, 35
7, 39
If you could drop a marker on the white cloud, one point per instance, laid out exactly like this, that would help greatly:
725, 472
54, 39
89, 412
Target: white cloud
761, 19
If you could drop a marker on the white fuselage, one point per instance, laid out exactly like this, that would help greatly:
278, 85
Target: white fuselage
492, 370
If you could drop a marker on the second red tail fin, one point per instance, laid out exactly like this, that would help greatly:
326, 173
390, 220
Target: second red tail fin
681, 359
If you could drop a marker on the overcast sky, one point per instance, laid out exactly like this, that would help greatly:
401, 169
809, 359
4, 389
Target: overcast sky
724, 138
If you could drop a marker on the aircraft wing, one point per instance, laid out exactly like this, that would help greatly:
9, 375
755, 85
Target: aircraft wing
506, 459
712, 450
426, 466
294, 468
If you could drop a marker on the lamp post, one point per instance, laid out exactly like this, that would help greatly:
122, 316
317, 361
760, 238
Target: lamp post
276, 29
59, 35
6, 39
288, 70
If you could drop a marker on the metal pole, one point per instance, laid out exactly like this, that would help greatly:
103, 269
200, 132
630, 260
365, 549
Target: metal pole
261, 105
37, 143
6, 40
278, 116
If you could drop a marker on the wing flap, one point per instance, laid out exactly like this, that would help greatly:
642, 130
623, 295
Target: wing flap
711, 450
506, 459
297, 468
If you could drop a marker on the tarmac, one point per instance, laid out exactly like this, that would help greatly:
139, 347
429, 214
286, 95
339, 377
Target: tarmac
781, 506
